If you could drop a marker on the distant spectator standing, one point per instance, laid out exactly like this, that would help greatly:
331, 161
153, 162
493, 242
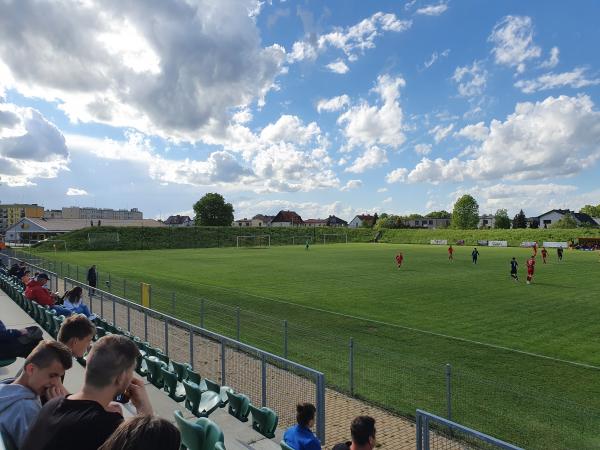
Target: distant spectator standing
18, 343
362, 431
20, 400
144, 433
92, 278
300, 437
475, 255
559, 253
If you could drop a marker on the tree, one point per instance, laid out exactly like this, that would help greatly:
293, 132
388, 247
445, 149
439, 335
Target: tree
438, 215
565, 222
465, 214
534, 224
501, 219
213, 211
520, 221
591, 210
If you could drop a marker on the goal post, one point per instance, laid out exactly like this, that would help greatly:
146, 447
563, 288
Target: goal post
337, 238
58, 245
302, 239
253, 240
108, 239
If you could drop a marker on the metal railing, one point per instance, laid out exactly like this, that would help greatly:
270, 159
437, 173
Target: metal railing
436, 433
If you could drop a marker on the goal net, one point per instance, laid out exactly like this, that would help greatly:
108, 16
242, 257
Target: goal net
302, 240
253, 241
57, 245
339, 238
103, 240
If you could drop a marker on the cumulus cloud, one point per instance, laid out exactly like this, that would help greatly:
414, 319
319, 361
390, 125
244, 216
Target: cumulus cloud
384, 189
338, 66
513, 42
559, 136
30, 146
434, 57
552, 61
471, 80
440, 132
369, 125
371, 158
575, 79
396, 175
351, 184
76, 191
175, 70
475, 132
289, 129
333, 104
423, 149
353, 40
432, 10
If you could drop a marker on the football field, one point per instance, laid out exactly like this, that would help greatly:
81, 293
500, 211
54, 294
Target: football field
524, 358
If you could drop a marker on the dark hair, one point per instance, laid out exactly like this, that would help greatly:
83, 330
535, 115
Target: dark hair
361, 429
305, 412
74, 294
110, 357
47, 352
144, 433
75, 326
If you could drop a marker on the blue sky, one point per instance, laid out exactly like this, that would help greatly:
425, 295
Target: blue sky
334, 107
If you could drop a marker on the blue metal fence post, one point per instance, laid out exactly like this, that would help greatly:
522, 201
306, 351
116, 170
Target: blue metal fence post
351, 367
263, 380
320, 404
449, 391
223, 365
191, 347
166, 337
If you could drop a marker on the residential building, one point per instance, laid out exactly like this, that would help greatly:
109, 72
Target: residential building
179, 221
53, 214
333, 221
362, 220
10, 214
33, 230
75, 212
553, 216
287, 219
242, 223
262, 220
487, 221
426, 222
315, 223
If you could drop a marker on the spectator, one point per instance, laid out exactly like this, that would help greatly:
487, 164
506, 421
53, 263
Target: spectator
77, 332
18, 343
73, 301
20, 400
85, 420
36, 290
300, 437
92, 278
26, 278
144, 433
362, 431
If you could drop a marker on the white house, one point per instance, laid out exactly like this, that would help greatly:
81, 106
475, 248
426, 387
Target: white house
553, 216
361, 220
487, 221
426, 222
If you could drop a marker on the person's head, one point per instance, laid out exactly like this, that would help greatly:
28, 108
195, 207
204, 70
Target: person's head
45, 366
144, 433
42, 278
77, 332
110, 364
305, 414
74, 295
362, 430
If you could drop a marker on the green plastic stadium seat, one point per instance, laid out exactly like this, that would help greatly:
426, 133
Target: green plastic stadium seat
172, 386
181, 370
264, 420
221, 391
201, 404
284, 446
100, 332
161, 356
239, 406
58, 320
154, 374
219, 446
201, 434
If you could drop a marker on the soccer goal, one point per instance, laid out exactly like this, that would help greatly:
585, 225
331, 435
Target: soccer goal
339, 238
302, 239
103, 239
58, 246
253, 241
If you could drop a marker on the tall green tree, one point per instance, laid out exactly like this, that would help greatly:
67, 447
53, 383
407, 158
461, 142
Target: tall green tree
565, 222
465, 214
520, 221
438, 215
501, 219
591, 210
212, 210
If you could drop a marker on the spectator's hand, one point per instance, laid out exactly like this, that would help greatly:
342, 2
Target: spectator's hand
115, 407
139, 397
57, 390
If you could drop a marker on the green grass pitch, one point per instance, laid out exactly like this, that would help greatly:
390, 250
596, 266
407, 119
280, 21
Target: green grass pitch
407, 324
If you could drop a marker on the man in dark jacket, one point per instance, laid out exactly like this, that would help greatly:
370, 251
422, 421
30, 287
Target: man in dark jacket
17, 343
92, 278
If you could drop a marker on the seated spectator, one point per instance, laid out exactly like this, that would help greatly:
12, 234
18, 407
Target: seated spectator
86, 419
144, 433
20, 400
362, 431
18, 343
26, 278
77, 332
73, 301
300, 437
35, 290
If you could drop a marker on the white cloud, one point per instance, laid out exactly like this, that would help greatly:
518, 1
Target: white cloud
352, 184
471, 80
553, 60
387, 200
396, 175
76, 191
574, 79
289, 129
476, 132
333, 104
423, 149
384, 189
175, 71
351, 40
338, 66
369, 125
513, 42
434, 57
372, 157
440, 132
559, 136
433, 10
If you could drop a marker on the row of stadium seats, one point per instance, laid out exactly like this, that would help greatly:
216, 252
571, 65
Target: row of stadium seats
202, 396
